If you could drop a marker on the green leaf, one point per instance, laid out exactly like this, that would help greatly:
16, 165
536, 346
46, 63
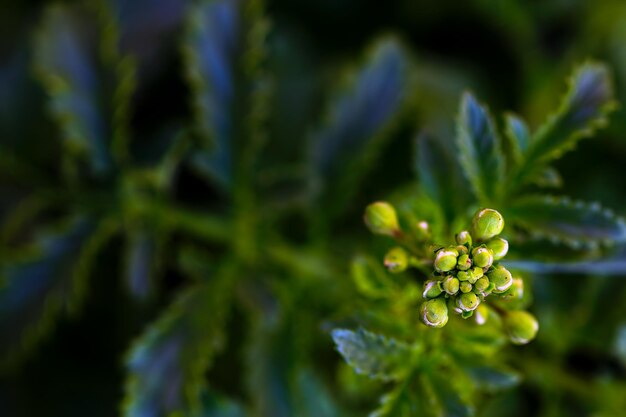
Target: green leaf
141, 262
518, 136
53, 280
584, 109
223, 40
493, 379
571, 222
66, 62
372, 354
548, 177
451, 393
370, 278
167, 363
358, 123
214, 405
312, 397
440, 175
480, 149
407, 399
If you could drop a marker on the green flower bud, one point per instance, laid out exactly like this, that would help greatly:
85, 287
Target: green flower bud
521, 326
481, 285
501, 279
462, 250
464, 238
516, 292
499, 247
482, 257
482, 314
434, 312
396, 260
467, 302
451, 285
432, 289
381, 219
475, 274
463, 275
445, 260
464, 263
453, 249
486, 224
465, 287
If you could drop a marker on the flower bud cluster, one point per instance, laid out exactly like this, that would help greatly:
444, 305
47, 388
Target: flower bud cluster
465, 274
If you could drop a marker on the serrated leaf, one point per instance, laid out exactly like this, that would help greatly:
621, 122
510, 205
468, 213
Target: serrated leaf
373, 355
572, 222
439, 175
493, 379
480, 149
358, 118
167, 363
548, 177
66, 62
370, 278
140, 264
583, 110
37, 290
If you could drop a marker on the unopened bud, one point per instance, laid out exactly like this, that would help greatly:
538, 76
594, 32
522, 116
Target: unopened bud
481, 285
468, 301
499, 247
432, 289
486, 224
380, 218
463, 275
482, 257
516, 292
521, 326
451, 285
465, 287
445, 260
462, 250
501, 279
435, 312
422, 231
475, 274
482, 314
464, 263
396, 260
464, 238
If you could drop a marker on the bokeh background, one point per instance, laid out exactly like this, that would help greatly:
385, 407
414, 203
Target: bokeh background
514, 55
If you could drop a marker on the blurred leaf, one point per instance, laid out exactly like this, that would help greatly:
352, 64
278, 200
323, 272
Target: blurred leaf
372, 354
407, 399
312, 398
66, 62
493, 379
518, 135
211, 45
440, 176
358, 122
140, 260
167, 363
572, 222
480, 149
451, 396
583, 110
214, 405
548, 178
370, 278
35, 291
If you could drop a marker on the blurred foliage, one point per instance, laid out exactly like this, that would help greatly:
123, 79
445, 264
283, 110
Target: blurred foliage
183, 185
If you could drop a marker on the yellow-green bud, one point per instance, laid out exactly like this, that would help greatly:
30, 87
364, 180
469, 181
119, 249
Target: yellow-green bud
499, 247
465, 287
445, 260
380, 218
501, 279
521, 326
481, 285
461, 249
516, 292
486, 224
475, 274
432, 289
482, 257
434, 312
464, 263
451, 285
463, 275
396, 260
482, 314
467, 302
464, 238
